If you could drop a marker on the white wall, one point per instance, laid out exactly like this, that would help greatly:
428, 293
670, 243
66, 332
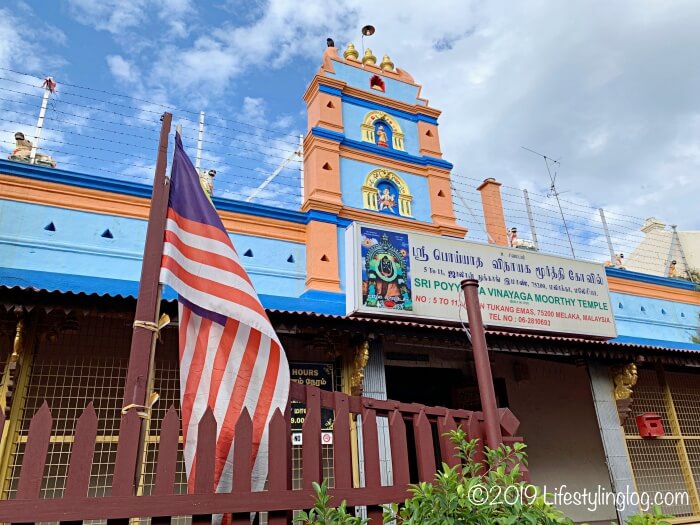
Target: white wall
559, 425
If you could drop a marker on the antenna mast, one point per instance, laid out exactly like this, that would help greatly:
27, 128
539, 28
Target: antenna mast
553, 192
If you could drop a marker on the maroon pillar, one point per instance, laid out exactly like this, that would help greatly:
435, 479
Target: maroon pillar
147, 303
470, 287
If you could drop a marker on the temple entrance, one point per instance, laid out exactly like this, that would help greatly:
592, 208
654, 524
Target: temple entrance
428, 386
447, 387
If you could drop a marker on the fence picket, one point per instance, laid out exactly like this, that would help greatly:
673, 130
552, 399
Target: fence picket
370, 444
166, 470
127, 454
447, 449
342, 455
399, 449
205, 454
279, 444
81, 454
424, 447
242, 461
311, 436
32, 472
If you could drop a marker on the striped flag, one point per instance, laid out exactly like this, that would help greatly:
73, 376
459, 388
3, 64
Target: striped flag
230, 356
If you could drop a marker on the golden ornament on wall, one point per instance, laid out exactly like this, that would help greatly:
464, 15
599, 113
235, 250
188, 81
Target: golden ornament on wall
351, 53
387, 64
369, 59
625, 377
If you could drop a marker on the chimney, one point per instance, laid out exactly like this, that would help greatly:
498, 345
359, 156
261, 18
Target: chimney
651, 224
493, 211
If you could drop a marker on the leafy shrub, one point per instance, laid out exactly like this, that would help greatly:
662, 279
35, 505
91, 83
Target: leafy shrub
323, 514
650, 518
488, 492
491, 492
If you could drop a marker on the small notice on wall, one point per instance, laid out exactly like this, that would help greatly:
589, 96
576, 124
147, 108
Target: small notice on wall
393, 273
321, 375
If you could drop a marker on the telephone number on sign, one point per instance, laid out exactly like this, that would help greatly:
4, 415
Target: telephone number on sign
534, 320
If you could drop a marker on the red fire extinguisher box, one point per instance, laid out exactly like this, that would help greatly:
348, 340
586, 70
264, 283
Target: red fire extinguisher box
650, 425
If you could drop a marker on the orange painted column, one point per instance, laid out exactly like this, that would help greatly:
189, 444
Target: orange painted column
442, 211
321, 175
322, 257
494, 217
428, 140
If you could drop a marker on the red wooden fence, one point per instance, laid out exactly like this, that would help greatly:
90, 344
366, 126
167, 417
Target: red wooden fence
279, 499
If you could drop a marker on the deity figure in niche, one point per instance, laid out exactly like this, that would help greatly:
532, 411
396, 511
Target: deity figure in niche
387, 200
382, 138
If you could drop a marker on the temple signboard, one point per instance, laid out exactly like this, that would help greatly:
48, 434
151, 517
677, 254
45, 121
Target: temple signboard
406, 274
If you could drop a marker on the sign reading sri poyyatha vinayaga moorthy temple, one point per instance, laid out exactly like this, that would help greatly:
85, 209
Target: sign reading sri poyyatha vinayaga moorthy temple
393, 273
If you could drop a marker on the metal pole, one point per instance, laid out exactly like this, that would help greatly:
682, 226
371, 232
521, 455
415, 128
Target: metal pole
607, 235
148, 301
492, 425
301, 170
531, 219
198, 157
39, 125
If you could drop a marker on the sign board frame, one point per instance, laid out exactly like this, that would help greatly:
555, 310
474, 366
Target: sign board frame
519, 289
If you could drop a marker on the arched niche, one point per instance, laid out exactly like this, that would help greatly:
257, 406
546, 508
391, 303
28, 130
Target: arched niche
382, 188
371, 123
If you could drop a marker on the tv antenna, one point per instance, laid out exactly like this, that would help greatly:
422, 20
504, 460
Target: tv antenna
553, 192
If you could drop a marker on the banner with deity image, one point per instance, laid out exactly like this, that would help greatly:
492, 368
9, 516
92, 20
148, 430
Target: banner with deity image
386, 279
413, 274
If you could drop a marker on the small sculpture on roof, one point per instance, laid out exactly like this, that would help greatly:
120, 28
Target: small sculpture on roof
386, 64
23, 153
351, 53
369, 59
206, 179
672, 271
523, 244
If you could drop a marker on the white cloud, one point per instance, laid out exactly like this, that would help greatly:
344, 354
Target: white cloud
122, 70
114, 16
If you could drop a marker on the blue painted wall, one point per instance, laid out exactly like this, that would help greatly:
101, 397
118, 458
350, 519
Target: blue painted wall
352, 178
353, 115
646, 318
359, 78
77, 248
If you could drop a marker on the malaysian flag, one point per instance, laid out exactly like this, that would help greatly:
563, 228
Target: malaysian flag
230, 356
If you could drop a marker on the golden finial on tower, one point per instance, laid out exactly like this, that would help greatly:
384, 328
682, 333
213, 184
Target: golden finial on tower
351, 53
387, 64
369, 59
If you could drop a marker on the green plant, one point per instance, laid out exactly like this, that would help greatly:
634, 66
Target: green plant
323, 514
488, 492
656, 517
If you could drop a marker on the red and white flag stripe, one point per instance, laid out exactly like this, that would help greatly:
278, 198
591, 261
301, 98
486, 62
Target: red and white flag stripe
230, 356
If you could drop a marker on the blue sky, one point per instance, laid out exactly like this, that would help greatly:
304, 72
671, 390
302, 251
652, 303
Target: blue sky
611, 91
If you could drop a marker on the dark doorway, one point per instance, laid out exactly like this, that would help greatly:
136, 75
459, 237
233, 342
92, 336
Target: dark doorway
428, 386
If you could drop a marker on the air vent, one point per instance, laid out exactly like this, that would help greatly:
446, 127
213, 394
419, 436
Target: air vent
441, 193
248, 253
330, 105
327, 167
107, 234
429, 133
290, 259
325, 258
50, 227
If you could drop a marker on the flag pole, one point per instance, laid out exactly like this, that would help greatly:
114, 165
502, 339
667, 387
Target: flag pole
148, 302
